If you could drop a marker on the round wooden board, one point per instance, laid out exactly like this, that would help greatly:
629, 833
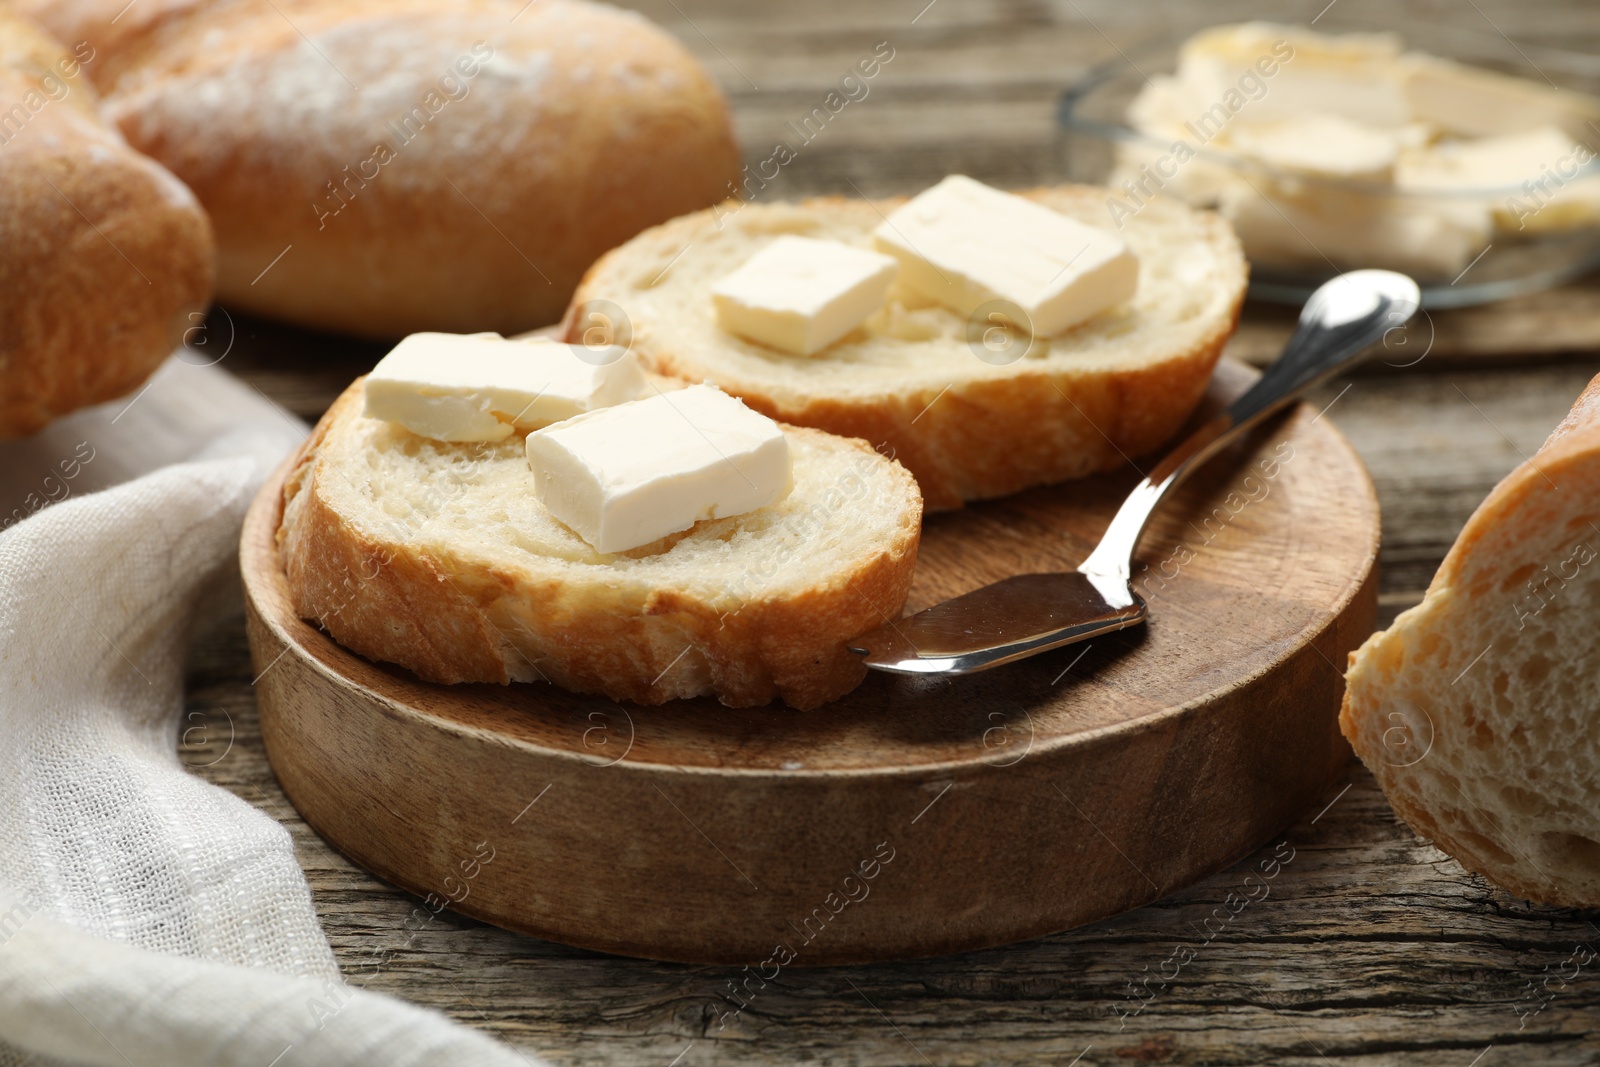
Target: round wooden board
914, 817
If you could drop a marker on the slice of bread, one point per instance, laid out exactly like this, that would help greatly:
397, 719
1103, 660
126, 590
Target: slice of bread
1476, 711
438, 558
910, 380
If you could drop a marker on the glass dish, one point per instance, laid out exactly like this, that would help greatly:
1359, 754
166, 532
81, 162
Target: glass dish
1296, 228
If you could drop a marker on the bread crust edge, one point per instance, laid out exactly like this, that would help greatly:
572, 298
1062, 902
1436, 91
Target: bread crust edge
965, 443
390, 602
1361, 715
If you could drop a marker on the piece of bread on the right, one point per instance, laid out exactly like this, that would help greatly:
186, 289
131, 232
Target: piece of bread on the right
1477, 709
909, 379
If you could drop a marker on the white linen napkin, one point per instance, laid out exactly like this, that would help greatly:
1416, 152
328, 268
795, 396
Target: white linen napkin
147, 917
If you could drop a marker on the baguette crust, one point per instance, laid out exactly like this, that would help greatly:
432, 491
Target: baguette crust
104, 254
634, 626
339, 143
967, 429
1475, 710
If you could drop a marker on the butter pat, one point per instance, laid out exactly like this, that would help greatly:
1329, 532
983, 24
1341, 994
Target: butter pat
1269, 73
482, 387
1321, 145
1537, 181
632, 474
1492, 163
963, 244
1476, 102
800, 295
1425, 236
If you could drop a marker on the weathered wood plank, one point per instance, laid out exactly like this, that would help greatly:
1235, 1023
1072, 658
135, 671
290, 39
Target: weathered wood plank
1435, 443
1373, 948
1369, 941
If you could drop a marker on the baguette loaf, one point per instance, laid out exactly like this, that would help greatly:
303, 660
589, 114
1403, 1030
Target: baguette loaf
103, 254
437, 557
1476, 709
381, 167
910, 378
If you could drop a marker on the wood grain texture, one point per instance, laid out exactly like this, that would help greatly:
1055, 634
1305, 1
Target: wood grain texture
1373, 948
694, 832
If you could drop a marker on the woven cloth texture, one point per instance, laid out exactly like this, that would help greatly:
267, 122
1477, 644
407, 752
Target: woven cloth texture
146, 916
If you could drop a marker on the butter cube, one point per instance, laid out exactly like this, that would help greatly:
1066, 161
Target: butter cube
1423, 236
1475, 102
963, 244
1269, 72
482, 387
800, 295
1327, 146
1492, 163
628, 475
1163, 110
1539, 176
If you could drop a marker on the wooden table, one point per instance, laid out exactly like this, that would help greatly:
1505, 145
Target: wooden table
1373, 947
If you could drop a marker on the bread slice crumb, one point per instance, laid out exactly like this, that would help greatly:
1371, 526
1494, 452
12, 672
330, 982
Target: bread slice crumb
438, 558
1476, 710
910, 379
